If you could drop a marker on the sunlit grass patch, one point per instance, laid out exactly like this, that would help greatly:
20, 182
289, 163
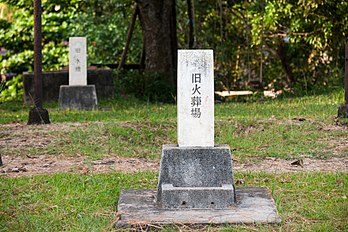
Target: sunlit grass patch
305, 201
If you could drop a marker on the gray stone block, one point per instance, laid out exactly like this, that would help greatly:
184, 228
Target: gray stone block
196, 177
81, 97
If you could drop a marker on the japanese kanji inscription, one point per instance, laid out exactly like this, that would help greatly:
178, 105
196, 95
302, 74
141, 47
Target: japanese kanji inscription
195, 98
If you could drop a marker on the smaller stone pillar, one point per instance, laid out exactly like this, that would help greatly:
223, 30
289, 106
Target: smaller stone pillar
78, 95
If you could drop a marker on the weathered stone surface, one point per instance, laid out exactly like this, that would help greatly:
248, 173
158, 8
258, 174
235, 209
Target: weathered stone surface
136, 207
197, 175
197, 197
195, 98
78, 97
77, 61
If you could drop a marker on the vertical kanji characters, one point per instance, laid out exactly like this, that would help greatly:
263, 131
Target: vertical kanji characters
196, 99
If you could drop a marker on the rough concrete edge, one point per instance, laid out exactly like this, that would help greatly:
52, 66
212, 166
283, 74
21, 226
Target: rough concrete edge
124, 224
121, 224
94, 93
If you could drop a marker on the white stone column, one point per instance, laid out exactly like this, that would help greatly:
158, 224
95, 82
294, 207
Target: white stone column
195, 98
77, 61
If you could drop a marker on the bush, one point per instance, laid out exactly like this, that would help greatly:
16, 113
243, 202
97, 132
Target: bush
144, 85
11, 89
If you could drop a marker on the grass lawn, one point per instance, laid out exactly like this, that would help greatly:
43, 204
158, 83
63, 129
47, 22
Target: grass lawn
70, 202
286, 128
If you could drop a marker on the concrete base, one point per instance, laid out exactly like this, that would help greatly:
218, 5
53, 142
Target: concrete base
195, 177
197, 197
137, 208
38, 116
81, 97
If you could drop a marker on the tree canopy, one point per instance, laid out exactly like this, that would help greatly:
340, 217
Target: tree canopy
257, 44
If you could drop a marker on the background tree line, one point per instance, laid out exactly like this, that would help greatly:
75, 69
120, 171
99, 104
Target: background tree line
257, 43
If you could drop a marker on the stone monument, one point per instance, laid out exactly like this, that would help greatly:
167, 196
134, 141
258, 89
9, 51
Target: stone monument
195, 173
77, 95
196, 183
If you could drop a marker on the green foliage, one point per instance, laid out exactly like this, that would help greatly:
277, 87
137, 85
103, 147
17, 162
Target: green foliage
17, 39
104, 23
12, 89
298, 43
257, 44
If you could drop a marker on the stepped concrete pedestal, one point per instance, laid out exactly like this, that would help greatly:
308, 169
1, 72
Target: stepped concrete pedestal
195, 184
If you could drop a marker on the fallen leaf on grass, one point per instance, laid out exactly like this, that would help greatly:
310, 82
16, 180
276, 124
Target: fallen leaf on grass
299, 119
240, 182
298, 162
339, 183
16, 169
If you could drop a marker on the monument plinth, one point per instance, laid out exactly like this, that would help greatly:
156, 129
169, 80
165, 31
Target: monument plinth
196, 178
77, 95
196, 184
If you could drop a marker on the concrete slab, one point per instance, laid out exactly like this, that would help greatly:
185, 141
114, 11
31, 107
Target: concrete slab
136, 207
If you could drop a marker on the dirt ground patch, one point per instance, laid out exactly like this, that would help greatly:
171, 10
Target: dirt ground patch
16, 166
18, 137
47, 164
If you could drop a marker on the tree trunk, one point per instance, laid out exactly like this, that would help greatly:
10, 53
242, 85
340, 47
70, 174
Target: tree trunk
285, 63
38, 115
191, 18
343, 109
158, 22
346, 73
129, 37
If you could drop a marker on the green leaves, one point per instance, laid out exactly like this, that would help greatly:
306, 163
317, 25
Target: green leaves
104, 23
12, 89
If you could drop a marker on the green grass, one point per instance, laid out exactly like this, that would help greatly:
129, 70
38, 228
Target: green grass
319, 107
288, 127
128, 139
305, 201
